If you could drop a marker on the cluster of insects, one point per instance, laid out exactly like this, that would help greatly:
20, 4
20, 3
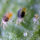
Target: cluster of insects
20, 15
7, 16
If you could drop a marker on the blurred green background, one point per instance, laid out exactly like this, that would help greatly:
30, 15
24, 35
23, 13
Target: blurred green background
15, 32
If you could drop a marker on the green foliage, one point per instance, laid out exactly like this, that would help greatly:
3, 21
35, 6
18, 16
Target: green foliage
15, 32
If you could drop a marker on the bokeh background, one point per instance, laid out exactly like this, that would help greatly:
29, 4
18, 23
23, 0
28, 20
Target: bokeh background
15, 32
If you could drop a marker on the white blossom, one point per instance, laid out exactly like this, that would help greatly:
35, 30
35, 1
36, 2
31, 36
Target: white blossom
4, 24
19, 20
25, 34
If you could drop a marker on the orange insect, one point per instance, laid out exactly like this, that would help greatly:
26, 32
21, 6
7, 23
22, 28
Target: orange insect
7, 17
36, 16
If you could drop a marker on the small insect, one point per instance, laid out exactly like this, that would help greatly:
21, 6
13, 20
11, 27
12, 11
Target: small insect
21, 14
6, 18
35, 19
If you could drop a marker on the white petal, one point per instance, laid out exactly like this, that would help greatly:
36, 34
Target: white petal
25, 33
3, 22
19, 20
